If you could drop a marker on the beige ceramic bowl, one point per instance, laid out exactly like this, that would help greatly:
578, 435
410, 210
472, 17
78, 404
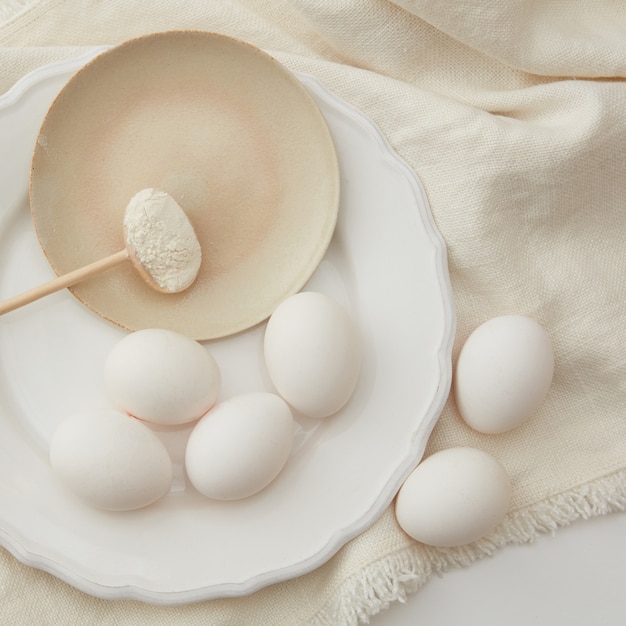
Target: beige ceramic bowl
225, 130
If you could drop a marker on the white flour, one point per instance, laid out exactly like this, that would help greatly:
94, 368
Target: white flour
163, 239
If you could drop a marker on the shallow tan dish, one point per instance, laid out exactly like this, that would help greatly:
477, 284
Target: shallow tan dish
231, 135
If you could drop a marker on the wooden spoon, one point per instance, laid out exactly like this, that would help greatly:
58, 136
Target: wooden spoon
159, 241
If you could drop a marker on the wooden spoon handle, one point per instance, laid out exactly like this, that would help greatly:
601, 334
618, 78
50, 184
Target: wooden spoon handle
66, 280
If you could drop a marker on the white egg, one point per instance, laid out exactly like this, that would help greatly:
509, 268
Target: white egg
312, 352
110, 460
239, 446
161, 376
503, 373
453, 497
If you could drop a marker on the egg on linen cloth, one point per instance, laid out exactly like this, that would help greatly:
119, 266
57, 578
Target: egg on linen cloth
503, 373
313, 353
240, 446
110, 460
453, 497
161, 376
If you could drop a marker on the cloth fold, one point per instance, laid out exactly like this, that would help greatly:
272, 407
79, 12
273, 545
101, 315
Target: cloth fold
513, 115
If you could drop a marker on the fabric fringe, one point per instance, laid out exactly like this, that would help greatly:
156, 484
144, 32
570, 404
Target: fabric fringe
398, 575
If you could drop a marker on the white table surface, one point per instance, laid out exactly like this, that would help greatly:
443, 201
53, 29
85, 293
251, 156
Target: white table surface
576, 577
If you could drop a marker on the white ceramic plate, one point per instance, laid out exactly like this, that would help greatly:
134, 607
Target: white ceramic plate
386, 263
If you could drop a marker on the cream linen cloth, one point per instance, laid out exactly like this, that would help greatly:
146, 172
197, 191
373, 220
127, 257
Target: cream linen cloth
513, 114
